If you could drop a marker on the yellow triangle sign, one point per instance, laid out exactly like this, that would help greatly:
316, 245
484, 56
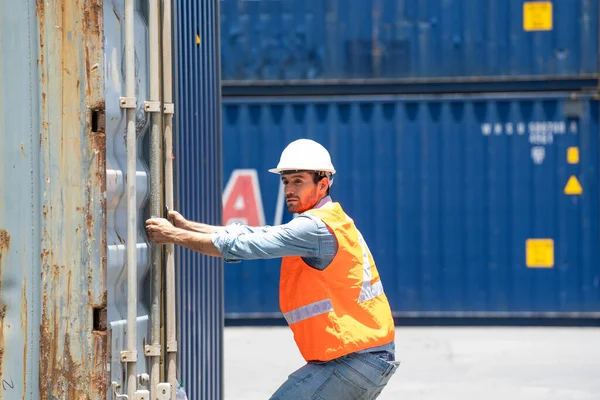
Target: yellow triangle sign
573, 186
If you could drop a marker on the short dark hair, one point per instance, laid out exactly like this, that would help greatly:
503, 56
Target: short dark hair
318, 176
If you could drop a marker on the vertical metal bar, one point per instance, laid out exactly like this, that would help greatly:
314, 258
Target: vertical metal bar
130, 357
156, 189
171, 334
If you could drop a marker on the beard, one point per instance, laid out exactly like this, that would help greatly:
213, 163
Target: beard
298, 205
292, 204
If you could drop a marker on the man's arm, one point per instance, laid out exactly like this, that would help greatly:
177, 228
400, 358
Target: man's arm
160, 230
303, 237
199, 227
200, 242
179, 221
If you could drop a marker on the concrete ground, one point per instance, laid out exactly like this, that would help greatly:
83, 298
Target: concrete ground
439, 363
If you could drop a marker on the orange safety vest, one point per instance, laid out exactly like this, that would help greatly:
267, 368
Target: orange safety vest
339, 310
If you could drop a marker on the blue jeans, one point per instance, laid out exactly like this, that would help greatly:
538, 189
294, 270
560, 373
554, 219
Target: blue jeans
356, 376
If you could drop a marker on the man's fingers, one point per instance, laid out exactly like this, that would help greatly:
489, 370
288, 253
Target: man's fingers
155, 221
174, 216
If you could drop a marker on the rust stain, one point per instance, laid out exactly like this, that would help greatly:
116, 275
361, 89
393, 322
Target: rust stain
41, 17
72, 374
99, 382
47, 352
88, 88
22, 150
72, 356
4, 241
44, 256
4, 246
89, 217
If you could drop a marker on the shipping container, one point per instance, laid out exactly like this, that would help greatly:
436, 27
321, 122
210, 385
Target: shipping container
53, 337
65, 99
549, 43
198, 197
481, 206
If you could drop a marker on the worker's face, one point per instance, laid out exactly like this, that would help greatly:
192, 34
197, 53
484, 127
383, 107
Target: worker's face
301, 191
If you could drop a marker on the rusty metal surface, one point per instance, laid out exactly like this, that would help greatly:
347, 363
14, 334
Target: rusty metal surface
52, 205
72, 355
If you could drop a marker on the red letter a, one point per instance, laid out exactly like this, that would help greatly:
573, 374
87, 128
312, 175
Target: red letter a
242, 200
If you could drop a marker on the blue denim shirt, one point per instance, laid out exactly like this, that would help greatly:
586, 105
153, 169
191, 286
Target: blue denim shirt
305, 236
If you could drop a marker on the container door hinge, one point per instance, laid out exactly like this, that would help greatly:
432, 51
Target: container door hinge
169, 108
128, 356
152, 106
172, 347
128, 102
152, 350
163, 391
142, 395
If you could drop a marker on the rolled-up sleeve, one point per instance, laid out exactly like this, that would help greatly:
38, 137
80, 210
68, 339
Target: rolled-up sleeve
300, 237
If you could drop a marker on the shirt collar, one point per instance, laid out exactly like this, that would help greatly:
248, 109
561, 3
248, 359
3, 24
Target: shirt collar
323, 201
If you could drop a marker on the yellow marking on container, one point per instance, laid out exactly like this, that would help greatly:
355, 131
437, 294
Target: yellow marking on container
539, 253
197, 39
537, 16
573, 155
573, 187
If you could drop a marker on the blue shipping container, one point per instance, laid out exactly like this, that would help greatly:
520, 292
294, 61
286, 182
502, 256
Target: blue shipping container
472, 206
198, 182
382, 39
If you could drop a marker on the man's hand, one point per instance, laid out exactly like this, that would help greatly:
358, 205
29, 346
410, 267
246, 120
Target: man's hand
160, 230
178, 220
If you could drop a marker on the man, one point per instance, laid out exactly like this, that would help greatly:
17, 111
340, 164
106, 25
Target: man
330, 291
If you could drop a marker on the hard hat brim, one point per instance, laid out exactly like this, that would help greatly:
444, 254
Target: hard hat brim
280, 170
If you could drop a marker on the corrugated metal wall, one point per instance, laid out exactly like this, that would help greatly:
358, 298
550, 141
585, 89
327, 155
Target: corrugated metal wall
390, 39
116, 173
461, 198
52, 256
198, 197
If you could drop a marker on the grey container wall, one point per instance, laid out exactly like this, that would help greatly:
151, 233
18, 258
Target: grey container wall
198, 197
116, 174
53, 340
314, 40
448, 191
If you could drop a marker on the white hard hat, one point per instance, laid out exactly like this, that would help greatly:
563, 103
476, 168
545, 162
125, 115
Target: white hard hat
304, 155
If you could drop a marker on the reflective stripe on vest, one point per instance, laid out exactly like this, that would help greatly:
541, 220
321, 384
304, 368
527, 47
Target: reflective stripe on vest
309, 310
367, 293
